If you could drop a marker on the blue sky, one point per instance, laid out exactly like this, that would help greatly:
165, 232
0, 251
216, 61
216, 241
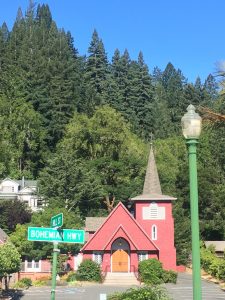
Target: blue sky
190, 33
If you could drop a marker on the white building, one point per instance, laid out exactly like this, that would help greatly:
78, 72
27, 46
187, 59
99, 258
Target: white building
21, 190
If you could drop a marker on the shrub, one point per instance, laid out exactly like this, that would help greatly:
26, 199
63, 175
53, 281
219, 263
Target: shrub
144, 293
213, 265
169, 276
26, 281
89, 270
40, 282
23, 283
71, 277
43, 280
151, 271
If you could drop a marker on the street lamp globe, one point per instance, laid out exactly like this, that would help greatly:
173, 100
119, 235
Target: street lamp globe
191, 123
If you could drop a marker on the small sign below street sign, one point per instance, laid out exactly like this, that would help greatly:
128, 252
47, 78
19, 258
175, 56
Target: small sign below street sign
57, 221
42, 234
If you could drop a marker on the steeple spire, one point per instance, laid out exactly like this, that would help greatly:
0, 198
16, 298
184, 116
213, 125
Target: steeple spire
152, 183
152, 188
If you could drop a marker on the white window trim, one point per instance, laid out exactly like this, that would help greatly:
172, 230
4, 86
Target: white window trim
32, 269
142, 255
154, 232
97, 254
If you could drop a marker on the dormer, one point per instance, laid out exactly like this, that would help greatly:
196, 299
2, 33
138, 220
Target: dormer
9, 186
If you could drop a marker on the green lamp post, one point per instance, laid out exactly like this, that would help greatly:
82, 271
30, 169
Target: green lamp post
191, 126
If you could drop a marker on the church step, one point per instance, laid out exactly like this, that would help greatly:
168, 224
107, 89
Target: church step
121, 279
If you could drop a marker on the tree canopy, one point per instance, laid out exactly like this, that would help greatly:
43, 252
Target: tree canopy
81, 125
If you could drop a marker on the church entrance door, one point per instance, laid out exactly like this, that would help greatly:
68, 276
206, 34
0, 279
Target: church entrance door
120, 261
120, 256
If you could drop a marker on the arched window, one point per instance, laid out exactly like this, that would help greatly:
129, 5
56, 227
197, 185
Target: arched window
154, 232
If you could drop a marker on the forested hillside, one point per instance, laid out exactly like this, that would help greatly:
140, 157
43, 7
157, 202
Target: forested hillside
81, 125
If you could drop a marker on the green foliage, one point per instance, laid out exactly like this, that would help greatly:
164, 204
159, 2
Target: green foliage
13, 213
45, 85
40, 282
89, 270
144, 293
38, 250
151, 272
212, 264
19, 240
96, 70
169, 276
23, 135
61, 260
9, 259
98, 156
23, 283
26, 281
71, 277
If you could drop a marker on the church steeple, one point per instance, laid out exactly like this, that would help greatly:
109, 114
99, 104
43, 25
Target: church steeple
152, 188
152, 183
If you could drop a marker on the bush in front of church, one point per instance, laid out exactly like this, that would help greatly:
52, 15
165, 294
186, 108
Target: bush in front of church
151, 272
89, 270
143, 293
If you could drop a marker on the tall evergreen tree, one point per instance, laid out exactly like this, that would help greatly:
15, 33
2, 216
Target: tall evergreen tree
211, 87
173, 82
48, 67
96, 69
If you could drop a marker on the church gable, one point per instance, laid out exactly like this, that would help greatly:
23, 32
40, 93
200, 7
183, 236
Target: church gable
120, 232
119, 222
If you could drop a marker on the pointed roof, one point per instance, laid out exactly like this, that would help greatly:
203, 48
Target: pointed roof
120, 221
152, 188
152, 184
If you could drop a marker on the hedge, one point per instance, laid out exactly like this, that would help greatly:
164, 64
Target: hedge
212, 264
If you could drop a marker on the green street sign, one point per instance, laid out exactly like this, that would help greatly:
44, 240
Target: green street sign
57, 221
42, 234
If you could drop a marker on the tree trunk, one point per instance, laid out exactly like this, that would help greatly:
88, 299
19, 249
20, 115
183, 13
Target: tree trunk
6, 283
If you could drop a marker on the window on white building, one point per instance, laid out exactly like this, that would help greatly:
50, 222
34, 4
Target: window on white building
143, 255
97, 257
33, 265
36, 265
154, 232
30, 264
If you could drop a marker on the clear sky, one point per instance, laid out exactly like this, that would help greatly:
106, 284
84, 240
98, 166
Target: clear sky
189, 34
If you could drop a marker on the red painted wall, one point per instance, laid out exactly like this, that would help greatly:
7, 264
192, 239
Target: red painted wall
165, 232
120, 217
137, 232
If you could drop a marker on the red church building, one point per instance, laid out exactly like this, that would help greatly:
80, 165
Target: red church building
121, 240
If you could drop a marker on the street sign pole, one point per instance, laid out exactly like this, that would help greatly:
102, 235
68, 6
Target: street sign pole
55, 235
54, 269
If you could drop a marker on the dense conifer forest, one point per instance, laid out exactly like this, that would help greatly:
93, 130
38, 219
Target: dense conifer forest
81, 126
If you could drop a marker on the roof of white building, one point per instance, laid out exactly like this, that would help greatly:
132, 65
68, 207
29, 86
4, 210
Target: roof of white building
219, 245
